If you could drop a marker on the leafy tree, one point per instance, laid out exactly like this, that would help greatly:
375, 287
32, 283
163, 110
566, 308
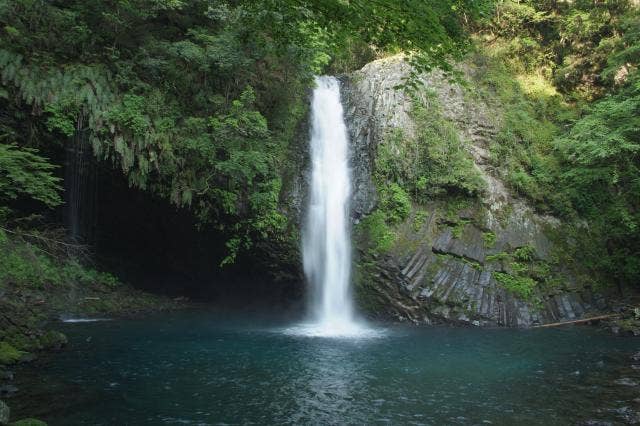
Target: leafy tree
24, 173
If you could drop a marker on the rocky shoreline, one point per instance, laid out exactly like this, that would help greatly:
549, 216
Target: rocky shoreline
28, 318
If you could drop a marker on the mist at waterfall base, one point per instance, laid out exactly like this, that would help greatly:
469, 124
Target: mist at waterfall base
326, 247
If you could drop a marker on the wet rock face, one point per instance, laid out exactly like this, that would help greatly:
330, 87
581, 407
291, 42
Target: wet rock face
362, 136
436, 276
446, 270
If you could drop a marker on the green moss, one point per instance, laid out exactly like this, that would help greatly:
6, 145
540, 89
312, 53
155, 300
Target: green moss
419, 219
9, 354
378, 235
522, 287
442, 257
27, 265
53, 339
366, 295
519, 268
540, 271
489, 239
435, 163
22, 342
498, 257
522, 273
525, 253
533, 115
395, 202
473, 264
458, 228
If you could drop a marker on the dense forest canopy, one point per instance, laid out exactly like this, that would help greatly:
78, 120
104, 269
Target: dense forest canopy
199, 101
196, 100
573, 145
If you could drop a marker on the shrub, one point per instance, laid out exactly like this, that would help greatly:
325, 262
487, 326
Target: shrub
395, 202
522, 287
380, 236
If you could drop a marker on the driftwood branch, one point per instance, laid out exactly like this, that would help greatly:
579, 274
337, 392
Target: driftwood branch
580, 321
40, 237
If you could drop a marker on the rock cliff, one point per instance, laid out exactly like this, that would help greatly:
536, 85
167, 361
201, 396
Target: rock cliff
490, 260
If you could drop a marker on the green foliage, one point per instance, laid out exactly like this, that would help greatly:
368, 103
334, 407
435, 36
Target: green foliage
25, 173
26, 265
489, 239
432, 164
395, 202
601, 154
447, 167
524, 253
575, 44
379, 235
62, 118
458, 228
522, 151
419, 219
566, 76
522, 287
9, 354
524, 275
498, 257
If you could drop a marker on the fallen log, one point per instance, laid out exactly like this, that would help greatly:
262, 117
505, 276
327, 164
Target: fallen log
580, 321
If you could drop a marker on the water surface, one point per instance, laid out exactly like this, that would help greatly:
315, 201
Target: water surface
199, 368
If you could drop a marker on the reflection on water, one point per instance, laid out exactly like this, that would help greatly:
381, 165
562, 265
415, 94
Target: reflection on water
192, 369
327, 386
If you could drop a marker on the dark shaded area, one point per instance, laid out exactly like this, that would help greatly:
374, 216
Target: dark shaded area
157, 247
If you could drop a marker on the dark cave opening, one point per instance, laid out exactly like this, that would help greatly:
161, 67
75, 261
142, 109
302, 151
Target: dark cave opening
157, 247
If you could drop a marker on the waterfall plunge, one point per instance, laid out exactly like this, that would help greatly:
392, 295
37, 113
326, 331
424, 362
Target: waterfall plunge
326, 238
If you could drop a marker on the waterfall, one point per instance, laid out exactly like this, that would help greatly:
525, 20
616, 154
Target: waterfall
326, 247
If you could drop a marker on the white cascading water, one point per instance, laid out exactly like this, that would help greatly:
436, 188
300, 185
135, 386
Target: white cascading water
326, 247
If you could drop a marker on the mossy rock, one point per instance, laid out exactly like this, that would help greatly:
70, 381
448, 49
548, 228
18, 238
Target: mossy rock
9, 354
22, 342
28, 422
53, 340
